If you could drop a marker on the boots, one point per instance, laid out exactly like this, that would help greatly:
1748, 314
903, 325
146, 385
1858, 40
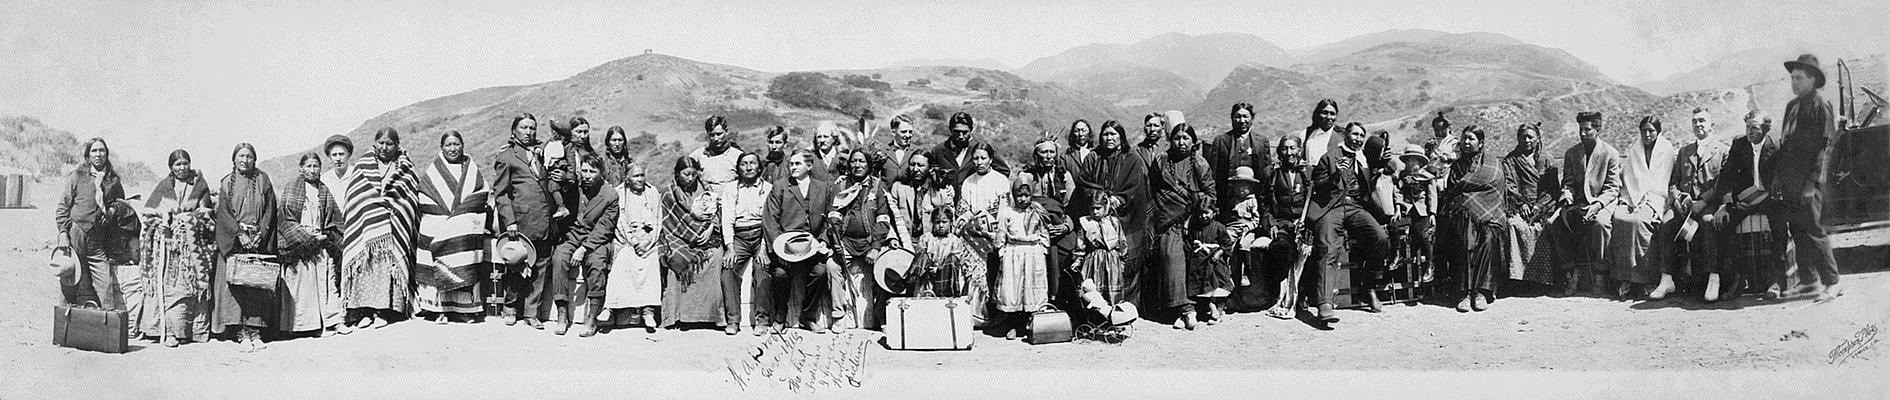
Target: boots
1666, 287
649, 320
1712, 287
1325, 313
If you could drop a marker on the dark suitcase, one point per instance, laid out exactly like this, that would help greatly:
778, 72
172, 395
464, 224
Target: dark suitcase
1050, 326
89, 328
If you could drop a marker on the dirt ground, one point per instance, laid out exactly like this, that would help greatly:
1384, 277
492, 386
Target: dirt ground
1530, 345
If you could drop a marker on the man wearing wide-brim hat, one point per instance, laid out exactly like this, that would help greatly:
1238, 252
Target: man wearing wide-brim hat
1798, 180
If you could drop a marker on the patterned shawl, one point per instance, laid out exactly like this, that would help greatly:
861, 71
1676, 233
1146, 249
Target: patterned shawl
687, 238
380, 206
295, 243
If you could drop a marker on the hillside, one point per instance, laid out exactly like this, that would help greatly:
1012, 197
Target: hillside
1135, 87
30, 145
1403, 80
1202, 59
1737, 70
661, 100
984, 63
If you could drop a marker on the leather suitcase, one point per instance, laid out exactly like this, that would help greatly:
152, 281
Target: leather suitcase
928, 323
89, 328
1050, 326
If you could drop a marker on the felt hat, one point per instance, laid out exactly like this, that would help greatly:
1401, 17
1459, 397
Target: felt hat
1809, 63
795, 247
1244, 174
338, 140
890, 269
1414, 151
514, 249
64, 266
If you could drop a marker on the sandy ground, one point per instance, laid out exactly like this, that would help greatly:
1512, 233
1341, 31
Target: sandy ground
1541, 345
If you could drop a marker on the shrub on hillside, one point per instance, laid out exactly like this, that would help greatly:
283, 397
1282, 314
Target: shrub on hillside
819, 91
866, 82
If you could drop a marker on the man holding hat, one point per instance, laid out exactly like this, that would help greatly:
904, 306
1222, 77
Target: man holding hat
1798, 182
794, 221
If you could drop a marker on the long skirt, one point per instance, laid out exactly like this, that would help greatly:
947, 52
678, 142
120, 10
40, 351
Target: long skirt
233, 305
1475, 252
178, 257
634, 281
1103, 267
1528, 252
1167, 279
1635, 247
378, 278
310, 297
696, 298
1023, 281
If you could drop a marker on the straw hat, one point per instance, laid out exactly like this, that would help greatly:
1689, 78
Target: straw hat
795, 247
1414, 151
891, 268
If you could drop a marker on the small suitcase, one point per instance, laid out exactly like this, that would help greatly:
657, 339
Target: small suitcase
90, 328
928, 323
1050, 326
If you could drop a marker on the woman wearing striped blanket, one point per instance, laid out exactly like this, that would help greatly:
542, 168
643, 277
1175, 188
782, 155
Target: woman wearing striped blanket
377, 249
453, 235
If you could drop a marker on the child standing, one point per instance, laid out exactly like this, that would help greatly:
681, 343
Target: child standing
1102, 251
1209, 277
1023, 281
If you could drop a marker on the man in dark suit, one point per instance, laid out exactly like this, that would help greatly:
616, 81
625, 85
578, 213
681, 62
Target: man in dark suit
799, 203
1239, 147
522, 191
583, 245
954, 154
1338, 196
1591, 185
1798, 183
1747, 231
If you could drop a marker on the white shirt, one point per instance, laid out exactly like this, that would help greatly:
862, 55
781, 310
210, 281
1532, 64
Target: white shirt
718, 169
1316, 144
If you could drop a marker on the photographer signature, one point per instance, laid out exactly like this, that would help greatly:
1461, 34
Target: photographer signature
801, 365
1859, 342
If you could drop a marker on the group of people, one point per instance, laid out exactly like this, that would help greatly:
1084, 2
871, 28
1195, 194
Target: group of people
564, 233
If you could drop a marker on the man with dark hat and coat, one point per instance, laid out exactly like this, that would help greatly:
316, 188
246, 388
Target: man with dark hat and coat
1798, 180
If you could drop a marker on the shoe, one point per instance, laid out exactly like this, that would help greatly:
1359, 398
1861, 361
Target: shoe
589, 330
533, 322
439, 319
732, 329
649, 321
1325, 313
1187, 321
1463, 304
1478, 303
1829, 293
1666, 286
343, 329
1245, 281
508, 320
1803, 291
1280, 312
1010, 334
1771, 293
1621, 290
326, 332
563, 327
1574, 279
1177, 324
378, 323
1372, 304
759, 329
168, 341
1712, 288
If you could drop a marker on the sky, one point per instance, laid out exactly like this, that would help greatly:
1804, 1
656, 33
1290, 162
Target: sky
151, 76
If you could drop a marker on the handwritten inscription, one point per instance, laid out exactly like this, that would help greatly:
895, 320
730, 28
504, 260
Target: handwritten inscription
1859, 342
801, 364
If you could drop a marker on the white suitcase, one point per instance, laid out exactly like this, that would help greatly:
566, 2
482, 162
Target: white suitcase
928, 323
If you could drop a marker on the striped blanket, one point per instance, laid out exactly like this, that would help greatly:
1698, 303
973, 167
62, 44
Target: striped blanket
453, 218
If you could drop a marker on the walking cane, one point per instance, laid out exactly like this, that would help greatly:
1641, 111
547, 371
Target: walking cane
1289, 288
